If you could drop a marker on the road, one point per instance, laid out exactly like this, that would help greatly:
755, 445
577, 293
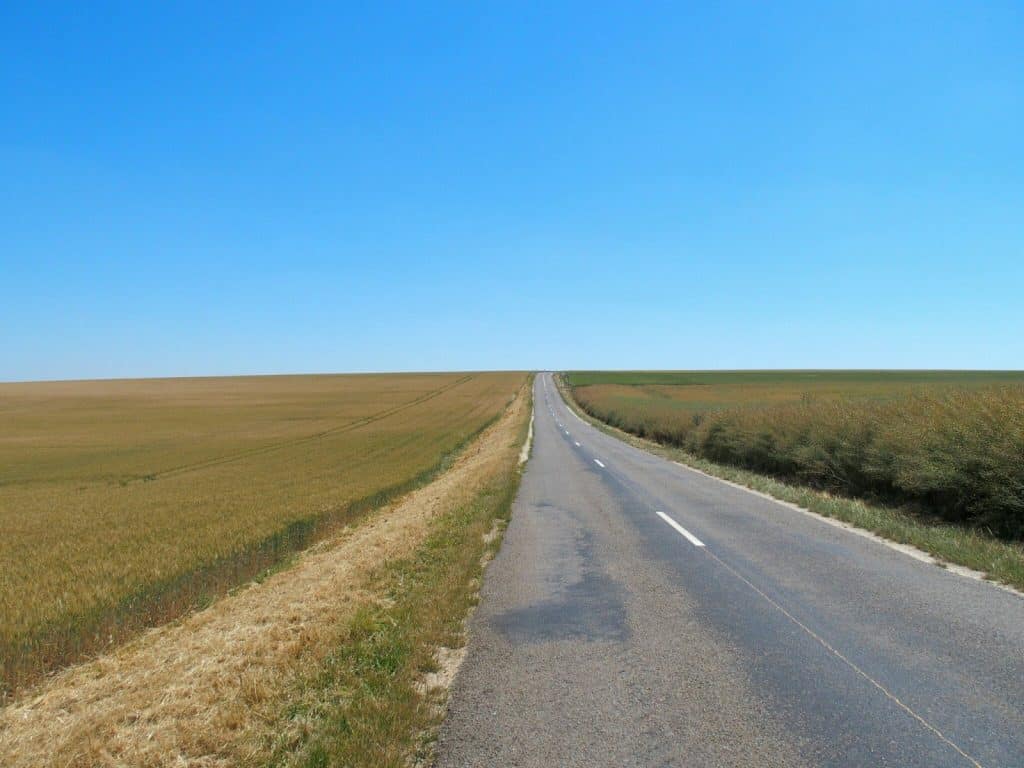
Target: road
642, 614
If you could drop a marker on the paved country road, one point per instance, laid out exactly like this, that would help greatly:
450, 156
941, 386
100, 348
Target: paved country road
641, 614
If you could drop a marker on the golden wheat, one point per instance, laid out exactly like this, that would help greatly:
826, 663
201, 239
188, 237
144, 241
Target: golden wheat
124, 503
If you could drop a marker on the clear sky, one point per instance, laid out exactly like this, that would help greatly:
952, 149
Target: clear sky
210, 188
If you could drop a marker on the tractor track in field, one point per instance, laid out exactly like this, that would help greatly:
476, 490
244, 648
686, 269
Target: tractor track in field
263, 449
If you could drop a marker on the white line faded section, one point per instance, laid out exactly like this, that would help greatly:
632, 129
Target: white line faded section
838, 654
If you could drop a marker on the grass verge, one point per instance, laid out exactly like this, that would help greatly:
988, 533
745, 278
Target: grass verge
366, 704
999, 560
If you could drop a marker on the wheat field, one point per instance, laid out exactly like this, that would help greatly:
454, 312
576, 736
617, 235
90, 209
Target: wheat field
126, 503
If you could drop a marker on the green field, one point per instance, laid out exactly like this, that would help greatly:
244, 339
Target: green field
125, 503
945, 443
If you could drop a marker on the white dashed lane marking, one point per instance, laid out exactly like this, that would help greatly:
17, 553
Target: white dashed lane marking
679, 529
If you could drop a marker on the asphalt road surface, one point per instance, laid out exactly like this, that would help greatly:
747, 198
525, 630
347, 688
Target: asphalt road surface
641, 614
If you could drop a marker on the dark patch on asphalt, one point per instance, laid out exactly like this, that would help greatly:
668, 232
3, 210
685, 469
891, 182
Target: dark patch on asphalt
592, 610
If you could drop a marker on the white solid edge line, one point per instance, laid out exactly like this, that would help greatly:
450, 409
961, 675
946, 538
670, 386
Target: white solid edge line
679, 529
598, 462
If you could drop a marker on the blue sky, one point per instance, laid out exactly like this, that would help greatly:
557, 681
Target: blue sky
233, 188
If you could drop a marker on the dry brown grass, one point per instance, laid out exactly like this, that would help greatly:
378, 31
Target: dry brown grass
126, 503
203, 692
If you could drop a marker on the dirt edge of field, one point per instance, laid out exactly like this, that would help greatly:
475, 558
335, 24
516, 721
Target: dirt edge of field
908, 536
197, 692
